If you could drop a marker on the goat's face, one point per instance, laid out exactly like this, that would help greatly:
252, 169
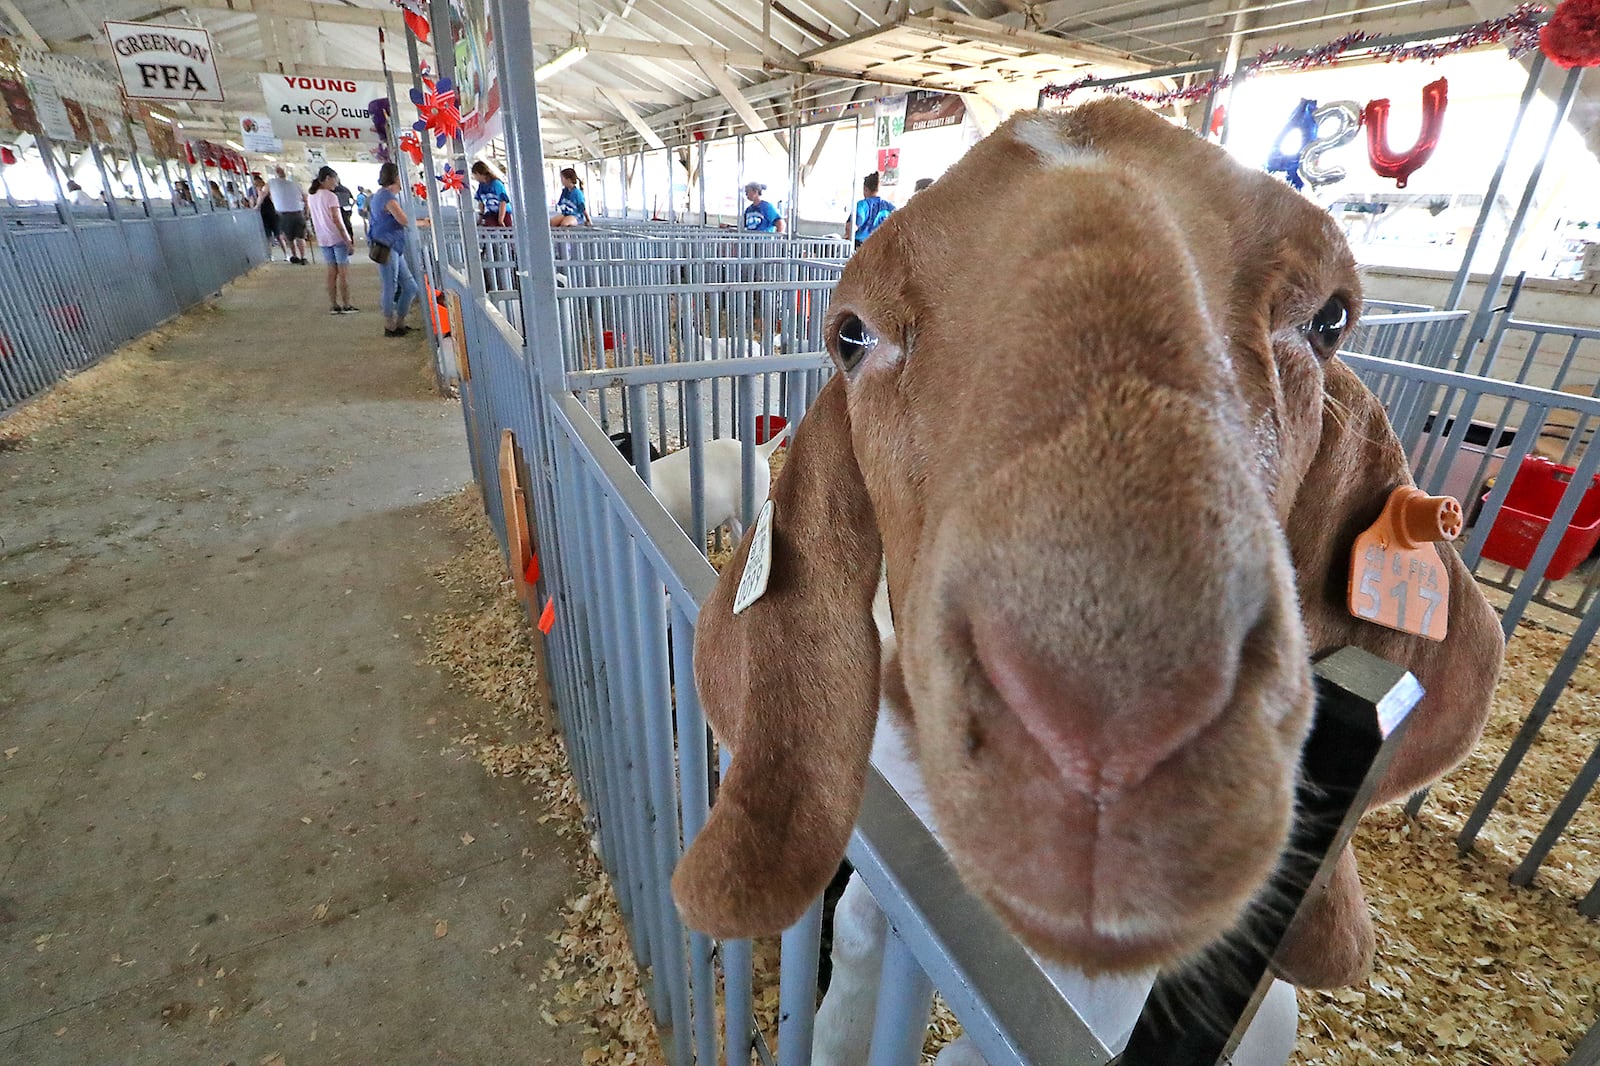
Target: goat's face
1090, 385
1082, 384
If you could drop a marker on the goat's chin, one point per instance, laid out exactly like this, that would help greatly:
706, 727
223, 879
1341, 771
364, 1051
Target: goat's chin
1068, 941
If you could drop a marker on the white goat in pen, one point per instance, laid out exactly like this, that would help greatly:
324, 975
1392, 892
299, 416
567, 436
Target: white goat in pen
1114, 470
724, 483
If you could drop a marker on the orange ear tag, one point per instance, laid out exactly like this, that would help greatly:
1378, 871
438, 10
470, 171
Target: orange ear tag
1397, 578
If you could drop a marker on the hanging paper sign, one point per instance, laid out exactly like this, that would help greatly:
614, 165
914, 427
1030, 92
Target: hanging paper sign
322, 109
101, 124
162, 137
142, 145
165, 62
317, 157
888, 166
51, 109
891, 115
477, 74
926, 110
255, 131
19, 105
79, 118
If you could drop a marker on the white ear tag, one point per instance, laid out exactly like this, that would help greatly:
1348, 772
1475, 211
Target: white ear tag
758, 564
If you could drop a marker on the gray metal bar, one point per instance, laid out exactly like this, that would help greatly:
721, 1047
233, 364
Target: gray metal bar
1458, 286
905, 997
1554, 686
797, 992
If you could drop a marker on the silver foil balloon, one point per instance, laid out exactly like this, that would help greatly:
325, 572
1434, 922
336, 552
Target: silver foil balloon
1346, 118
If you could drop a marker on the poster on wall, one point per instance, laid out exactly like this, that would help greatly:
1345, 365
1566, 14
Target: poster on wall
888, 166
162, 139
51, 109
317, 157
19, 105
256, 133
101, 124
928, 110
82, 132
141, 140
165, 62
477, 77
891, 116
333, 110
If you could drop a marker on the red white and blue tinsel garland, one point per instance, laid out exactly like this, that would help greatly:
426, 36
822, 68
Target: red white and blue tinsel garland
1519, 30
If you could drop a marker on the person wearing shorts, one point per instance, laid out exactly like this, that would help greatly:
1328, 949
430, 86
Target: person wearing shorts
291, 206
333, 237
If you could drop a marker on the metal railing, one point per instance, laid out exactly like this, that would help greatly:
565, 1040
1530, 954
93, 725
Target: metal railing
74, 289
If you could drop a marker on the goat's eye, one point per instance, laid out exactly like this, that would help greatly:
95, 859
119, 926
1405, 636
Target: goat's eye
1326, 329
853, 340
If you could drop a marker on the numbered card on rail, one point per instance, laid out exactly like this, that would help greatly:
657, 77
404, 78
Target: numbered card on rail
1402, 588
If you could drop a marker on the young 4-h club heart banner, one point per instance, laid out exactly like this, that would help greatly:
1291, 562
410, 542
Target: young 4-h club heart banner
322, 109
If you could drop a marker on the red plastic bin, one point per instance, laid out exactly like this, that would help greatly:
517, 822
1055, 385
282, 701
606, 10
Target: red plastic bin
1531, 503
769, 426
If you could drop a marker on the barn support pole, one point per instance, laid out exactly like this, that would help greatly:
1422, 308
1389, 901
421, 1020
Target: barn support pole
1458, 287
1479, 329
704, 216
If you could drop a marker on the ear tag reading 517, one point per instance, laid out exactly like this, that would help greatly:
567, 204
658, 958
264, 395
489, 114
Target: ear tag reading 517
758, 564
1397, 578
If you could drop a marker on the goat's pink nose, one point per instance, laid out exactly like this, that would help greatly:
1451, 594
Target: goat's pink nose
1104, 730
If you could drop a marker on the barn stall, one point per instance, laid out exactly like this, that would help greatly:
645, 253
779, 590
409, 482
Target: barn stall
669, 335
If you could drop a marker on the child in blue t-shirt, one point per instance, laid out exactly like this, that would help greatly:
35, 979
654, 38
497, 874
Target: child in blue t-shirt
494, 202
571, 208
871, 210
760, 216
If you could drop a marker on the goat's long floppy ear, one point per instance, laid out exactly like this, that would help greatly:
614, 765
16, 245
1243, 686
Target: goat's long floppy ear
791, 686
1358, 464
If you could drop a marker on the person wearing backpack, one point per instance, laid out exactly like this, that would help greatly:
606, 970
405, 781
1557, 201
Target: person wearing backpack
870, 211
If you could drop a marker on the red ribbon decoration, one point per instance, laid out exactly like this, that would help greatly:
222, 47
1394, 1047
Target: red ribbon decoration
1401, 165
417, 25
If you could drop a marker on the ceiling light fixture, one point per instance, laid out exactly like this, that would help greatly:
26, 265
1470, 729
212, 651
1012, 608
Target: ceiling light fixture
560, 63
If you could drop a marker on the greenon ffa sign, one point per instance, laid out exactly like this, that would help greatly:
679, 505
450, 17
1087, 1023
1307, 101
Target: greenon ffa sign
165, 62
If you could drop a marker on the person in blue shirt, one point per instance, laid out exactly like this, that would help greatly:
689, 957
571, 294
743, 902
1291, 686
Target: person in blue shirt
870, 211
571, 208
494, 201
760, 216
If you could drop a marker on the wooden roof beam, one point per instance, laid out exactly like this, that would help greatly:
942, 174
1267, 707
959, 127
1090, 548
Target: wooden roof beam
651, 137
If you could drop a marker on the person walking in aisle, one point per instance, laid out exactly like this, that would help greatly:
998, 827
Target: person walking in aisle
870, 211
290, 204
269, 218
387, 233
494, 200
333, 237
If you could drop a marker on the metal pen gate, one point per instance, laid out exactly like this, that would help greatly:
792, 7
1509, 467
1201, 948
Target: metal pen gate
71, 294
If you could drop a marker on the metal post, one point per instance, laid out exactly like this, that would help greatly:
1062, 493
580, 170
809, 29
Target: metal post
1491, 287
105, 179
905, 998
445, 52
436, 232
138, 167
1458, 287
704, 216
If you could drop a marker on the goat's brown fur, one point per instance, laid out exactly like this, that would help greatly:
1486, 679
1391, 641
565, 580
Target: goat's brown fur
1115, 488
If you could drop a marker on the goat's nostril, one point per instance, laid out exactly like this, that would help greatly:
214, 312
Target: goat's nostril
972, 739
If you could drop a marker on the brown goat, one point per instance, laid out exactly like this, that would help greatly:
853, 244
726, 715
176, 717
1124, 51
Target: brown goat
1115, 471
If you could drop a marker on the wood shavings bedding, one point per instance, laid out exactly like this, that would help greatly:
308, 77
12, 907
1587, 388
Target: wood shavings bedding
1470, 971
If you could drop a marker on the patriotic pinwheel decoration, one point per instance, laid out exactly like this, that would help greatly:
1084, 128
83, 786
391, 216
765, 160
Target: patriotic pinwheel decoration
439, 110
412, 146
451, 179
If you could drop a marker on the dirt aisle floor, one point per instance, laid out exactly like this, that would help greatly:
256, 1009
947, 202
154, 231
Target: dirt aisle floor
229, 828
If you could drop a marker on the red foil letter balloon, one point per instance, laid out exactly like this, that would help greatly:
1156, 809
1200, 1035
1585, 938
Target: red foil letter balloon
1401, 165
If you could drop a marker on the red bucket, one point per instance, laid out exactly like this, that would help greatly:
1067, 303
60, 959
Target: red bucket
1529, 508
769, 426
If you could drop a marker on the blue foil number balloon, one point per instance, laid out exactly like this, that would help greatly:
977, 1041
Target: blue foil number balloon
1303, 124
